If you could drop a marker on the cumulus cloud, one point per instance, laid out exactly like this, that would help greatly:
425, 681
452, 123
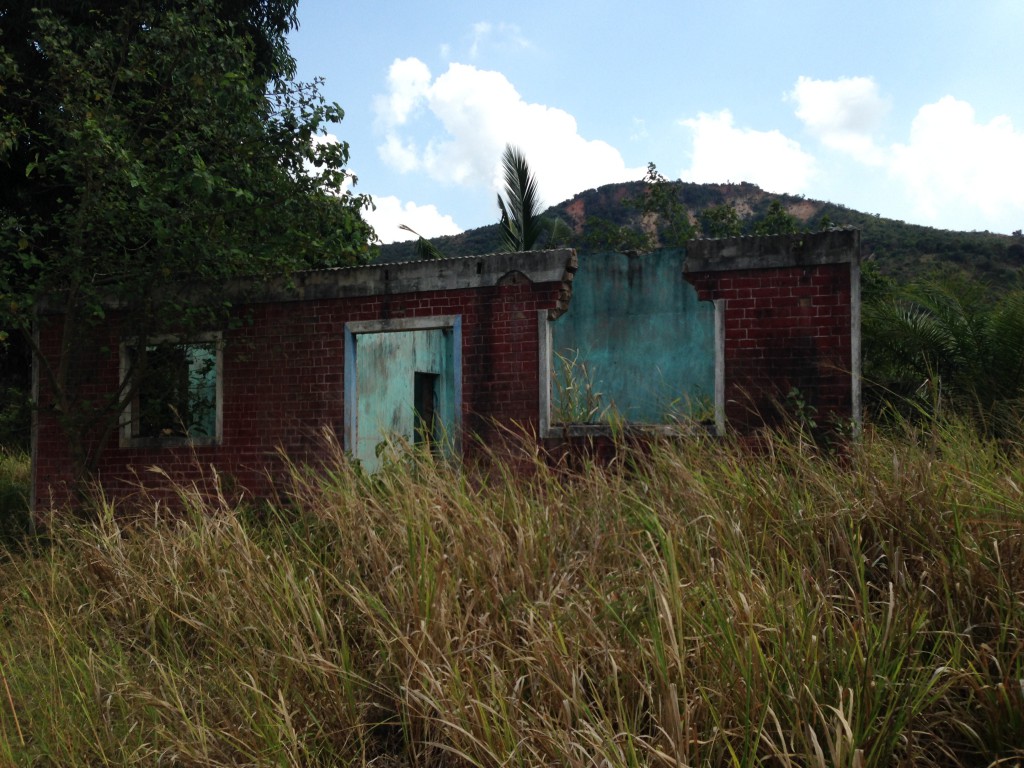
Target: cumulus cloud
723, 152
400, 155
842, 113
391, 212
472, 114
953, 170
953, 164
408, 80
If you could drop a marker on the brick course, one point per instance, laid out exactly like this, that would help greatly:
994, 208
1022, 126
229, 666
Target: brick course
784, 328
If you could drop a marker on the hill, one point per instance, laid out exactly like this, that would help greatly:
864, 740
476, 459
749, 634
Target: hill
901, 250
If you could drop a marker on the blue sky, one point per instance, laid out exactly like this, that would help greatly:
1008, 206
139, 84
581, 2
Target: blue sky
906, 108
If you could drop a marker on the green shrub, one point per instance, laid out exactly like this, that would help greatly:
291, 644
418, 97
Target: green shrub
939, 347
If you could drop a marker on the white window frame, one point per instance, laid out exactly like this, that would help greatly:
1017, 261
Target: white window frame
127, 436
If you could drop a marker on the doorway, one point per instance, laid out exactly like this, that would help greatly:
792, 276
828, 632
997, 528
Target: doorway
403, 386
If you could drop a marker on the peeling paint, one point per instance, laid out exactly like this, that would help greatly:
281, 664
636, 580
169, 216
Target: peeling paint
637, 331
386, 366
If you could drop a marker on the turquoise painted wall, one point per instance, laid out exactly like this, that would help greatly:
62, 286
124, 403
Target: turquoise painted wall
645, 341
385, 368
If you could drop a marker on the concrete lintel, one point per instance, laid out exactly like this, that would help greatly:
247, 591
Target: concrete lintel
392, 324
415, 276
837, 246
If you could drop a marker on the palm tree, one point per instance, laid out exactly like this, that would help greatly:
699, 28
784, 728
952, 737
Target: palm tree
950, 341
521, 220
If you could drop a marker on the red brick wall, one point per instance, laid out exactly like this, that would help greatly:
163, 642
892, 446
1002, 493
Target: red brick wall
784, 327
283, 373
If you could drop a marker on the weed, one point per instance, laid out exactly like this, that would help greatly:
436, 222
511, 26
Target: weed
576, 399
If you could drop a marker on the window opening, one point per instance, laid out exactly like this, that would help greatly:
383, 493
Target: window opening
177, 394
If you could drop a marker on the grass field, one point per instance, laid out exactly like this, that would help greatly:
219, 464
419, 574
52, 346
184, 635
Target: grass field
14, 486
697, 604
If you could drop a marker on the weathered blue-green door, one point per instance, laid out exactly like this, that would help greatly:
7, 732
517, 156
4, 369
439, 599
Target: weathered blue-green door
404, 390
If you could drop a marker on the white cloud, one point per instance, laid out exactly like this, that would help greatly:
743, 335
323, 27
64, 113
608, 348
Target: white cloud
475, 113
842, 113
480, 32
504, 36
408, 81
400, 155
956, 168
953, 171
425, 219
722, 152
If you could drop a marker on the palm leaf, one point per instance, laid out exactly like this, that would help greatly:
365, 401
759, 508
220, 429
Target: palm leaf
521, 220
954, 332
424, 248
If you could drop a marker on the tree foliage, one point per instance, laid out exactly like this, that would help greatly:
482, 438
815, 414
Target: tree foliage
721, 221
424, 249
778, 221
661, 199
664, 219
948, 344
521, 222
523, 225
604, 235
150, 151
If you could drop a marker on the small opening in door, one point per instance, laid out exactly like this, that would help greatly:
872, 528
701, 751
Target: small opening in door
425, 404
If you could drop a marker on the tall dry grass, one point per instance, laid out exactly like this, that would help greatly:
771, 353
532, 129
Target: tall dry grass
15, 475
694, 604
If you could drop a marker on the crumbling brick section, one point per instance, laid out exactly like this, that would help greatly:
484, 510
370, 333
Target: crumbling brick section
790, 324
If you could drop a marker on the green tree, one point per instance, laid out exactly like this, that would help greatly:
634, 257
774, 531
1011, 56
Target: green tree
604, 235
151, 151
523, 227
661, 199
721, 221
948, 344
521, 222
778, 221
661, 211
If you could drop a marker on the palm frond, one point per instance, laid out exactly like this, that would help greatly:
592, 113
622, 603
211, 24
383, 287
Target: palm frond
424, 248
521, 220
951, 332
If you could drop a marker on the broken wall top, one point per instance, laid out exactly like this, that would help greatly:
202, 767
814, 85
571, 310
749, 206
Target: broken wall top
805, 249
551, 266
459, 273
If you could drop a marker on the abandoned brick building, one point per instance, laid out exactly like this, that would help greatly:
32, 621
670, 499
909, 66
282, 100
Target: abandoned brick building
457, 351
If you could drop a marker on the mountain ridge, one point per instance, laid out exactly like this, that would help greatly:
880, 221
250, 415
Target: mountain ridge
901, 250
